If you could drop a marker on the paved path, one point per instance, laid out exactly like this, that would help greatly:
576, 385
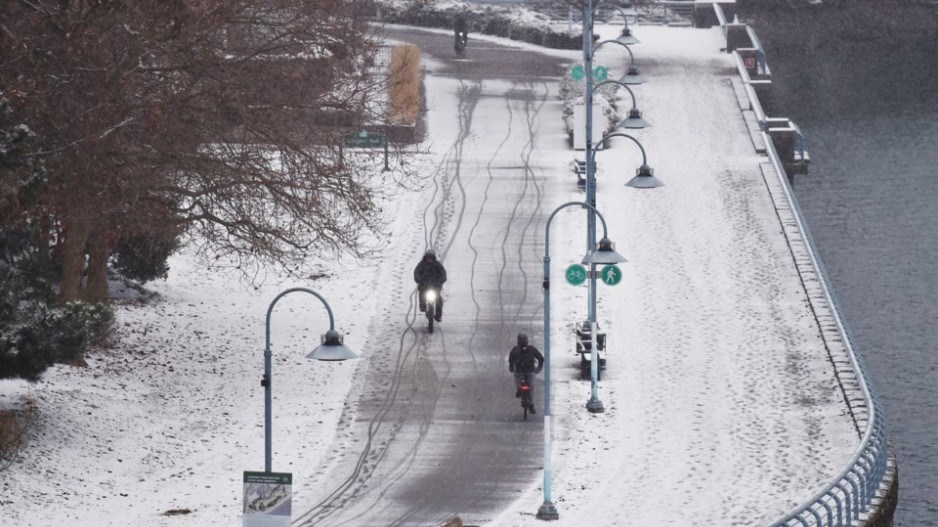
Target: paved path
722, 407
438, 430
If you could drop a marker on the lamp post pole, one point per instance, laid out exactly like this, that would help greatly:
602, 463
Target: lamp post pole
330, 349
547, 510
594, 404
590, 159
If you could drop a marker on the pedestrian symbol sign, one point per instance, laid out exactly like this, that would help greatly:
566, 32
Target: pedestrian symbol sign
611, 275
600, 73
575, 274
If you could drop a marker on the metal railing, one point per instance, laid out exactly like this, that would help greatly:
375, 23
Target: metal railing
848, 496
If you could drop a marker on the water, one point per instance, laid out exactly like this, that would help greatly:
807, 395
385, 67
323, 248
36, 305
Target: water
866, 102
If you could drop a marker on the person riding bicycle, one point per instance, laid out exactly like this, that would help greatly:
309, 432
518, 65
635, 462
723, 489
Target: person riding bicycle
525, 359
430, 273
461, 30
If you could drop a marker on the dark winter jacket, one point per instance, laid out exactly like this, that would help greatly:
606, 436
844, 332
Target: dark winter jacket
525, 359
459, 25
430, 272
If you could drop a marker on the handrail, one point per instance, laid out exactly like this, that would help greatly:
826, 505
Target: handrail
848, 494
757, 110
721, 17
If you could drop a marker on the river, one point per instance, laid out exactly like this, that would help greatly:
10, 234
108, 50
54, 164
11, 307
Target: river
865, 98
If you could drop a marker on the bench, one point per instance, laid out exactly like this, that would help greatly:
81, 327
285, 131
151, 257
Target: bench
584, 347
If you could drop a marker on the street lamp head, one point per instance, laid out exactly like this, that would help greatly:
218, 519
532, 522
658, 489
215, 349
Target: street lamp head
626, 37
332, 348
605, 254
634, 120
632, 77
644, 178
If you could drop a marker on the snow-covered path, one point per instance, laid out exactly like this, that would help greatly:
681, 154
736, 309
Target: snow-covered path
721, 403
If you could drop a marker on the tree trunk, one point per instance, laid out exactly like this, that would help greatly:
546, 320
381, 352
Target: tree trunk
98, 252
73, 260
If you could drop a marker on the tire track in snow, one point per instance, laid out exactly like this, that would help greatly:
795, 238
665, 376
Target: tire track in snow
472, 434
435, 233
529, 181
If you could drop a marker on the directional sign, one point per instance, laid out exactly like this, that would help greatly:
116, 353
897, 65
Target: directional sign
600, 73
611, 275
364, 139
576, 274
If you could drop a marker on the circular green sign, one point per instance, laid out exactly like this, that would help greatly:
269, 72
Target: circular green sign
600, 73
576, 274
578, 72
611, 275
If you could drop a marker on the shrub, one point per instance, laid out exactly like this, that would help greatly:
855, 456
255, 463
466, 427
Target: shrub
570, 94
144, 257
494, 21
41, 335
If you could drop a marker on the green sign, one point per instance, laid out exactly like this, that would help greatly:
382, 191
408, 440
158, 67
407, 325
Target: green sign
576, 274
611, 275
600, 73
364, 139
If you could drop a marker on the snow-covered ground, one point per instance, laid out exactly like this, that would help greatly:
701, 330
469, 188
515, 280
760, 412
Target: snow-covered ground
721, 405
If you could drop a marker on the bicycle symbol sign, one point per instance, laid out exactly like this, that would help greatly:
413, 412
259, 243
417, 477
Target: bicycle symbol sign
576, 274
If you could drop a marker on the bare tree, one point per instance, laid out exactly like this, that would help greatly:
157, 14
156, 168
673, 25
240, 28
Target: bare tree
222, 119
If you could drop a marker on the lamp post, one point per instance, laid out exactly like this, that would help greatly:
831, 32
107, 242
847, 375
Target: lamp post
644, 178
331, 349
644, 175
633, 121
604, 252
631, 73
626, 35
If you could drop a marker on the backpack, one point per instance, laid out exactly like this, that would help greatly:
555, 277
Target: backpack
526, 361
